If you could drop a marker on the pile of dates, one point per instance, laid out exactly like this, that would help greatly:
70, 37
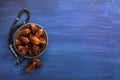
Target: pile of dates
31, 40
35, 63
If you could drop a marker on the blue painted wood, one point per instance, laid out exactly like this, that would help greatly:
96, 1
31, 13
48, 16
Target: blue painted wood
84, 40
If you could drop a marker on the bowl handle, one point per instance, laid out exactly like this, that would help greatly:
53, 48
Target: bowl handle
18, 18
13, 29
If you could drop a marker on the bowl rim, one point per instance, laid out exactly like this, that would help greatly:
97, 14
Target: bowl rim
14, 38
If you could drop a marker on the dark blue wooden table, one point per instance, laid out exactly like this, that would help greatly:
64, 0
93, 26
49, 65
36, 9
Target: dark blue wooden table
84, 39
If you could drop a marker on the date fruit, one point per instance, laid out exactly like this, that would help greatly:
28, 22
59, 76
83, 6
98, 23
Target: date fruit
39, 33
31, 67
18, 42
34, 39
26, 31
24, 39
34, 28
36, 49
38, 62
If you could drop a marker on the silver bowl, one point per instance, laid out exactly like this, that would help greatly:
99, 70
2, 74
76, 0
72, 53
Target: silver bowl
16, 35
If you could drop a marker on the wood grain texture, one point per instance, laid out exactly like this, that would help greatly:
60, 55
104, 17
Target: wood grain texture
84, 39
